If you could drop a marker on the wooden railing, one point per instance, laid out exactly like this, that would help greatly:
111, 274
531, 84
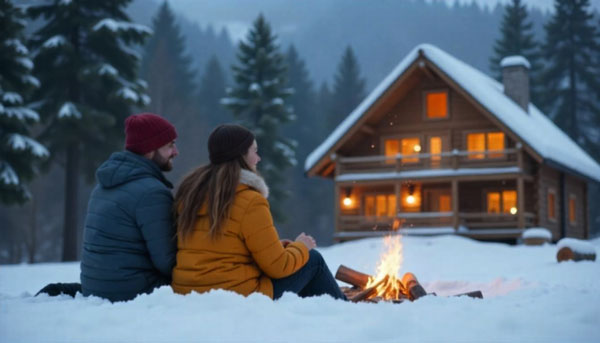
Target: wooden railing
446, 160
469, 220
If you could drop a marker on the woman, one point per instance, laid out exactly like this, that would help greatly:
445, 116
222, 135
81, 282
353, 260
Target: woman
226, 238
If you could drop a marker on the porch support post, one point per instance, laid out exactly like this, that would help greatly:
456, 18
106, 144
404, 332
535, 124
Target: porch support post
521, 202
520, 187
397, 186
455, 218
336, 206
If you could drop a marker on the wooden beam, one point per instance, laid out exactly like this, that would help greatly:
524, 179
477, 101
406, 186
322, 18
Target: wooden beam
425, 70
368, 129
455, 212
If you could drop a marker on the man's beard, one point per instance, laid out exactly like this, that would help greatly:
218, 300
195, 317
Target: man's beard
164, 164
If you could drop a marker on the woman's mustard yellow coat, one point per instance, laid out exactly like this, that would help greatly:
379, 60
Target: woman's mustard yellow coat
245, 257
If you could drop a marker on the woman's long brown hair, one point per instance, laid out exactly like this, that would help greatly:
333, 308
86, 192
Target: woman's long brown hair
213, 185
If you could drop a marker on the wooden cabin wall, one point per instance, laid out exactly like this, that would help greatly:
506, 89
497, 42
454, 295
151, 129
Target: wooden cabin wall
407, 118
548, 179
577, 188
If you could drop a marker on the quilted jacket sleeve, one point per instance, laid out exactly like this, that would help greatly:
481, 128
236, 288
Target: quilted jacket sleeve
153, 215
263, 242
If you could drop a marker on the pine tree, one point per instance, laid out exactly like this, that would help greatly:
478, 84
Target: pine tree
348, 89
166, 66
517, 38
212, 89
303, 131
19, 153
257, 101
87, 69
572, 75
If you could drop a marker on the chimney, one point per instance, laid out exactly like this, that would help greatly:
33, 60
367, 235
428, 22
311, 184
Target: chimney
515, 77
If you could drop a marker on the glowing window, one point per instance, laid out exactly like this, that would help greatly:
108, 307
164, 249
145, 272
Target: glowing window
495, 142
491, 142
572, 212
435, 147
437, 105
493, 202
445, 203
392, 147
475, 143
551, 208
509, 201
380, 205
391, 208
410, 146
369, 205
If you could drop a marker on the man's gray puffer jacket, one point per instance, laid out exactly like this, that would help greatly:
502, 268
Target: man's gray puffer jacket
129, 244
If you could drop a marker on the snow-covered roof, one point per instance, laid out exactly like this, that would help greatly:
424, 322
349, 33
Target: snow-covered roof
534, 128
511, 61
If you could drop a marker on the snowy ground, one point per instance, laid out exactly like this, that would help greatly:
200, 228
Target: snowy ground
528, 297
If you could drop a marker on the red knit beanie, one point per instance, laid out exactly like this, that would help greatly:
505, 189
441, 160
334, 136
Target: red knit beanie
146, 132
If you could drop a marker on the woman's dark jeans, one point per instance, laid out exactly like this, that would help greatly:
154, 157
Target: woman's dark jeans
311, 280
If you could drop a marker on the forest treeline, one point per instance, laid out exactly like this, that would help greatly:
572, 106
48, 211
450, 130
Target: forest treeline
71, 72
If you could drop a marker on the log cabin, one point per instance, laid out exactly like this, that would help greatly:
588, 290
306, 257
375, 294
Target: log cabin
439, 147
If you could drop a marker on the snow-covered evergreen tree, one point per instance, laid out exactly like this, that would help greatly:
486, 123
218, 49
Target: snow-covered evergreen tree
87, 64
257, 101
571, 76
166, 67
211, 90
19, 153
517, 38
348, 89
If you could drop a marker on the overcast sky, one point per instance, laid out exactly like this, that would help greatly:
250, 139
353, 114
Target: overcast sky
237, 15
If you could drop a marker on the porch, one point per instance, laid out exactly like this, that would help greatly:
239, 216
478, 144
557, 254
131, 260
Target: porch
448, 193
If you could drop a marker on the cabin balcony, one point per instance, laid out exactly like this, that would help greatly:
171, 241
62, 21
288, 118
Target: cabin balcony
427, 165
488, 202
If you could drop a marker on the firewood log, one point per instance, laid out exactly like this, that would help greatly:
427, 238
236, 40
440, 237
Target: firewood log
473, 294
368, 292
412, 285
566, 253
351, 276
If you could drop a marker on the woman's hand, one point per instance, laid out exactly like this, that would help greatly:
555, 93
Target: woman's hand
307, 240
285, 242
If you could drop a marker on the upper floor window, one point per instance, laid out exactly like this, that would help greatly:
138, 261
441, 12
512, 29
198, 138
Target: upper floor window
436, 104
485, 141
405, 146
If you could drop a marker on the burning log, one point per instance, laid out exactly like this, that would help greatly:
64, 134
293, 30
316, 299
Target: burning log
413, 287
369, 292
351, 276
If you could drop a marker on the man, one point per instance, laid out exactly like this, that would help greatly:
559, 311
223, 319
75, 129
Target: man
129, 244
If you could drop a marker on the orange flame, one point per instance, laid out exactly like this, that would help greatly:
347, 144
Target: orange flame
389, 287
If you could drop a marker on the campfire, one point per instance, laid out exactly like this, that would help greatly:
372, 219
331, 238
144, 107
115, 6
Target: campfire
385, 285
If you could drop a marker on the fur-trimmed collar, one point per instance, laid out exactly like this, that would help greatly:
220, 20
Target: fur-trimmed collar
254, 181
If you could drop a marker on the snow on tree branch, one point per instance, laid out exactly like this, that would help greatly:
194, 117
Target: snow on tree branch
118, 26
12, 98
54, 42
21, 113
8, 175
69, 110
20, 143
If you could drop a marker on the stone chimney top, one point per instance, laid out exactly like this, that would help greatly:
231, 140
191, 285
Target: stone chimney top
515, 77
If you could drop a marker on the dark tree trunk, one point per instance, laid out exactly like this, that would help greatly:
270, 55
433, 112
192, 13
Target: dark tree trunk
71, 204
32, 246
